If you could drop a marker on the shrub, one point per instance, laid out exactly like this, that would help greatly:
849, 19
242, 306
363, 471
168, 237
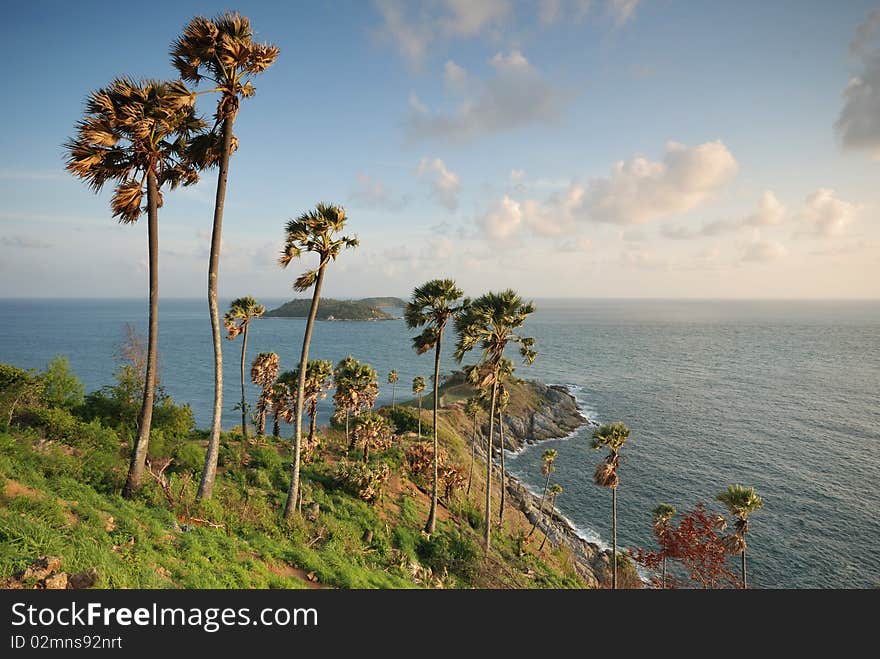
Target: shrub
54, 422
363, 480
451, 550
189, 457
61, 388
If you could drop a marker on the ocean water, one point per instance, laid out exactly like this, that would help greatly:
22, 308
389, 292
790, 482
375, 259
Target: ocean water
784, 396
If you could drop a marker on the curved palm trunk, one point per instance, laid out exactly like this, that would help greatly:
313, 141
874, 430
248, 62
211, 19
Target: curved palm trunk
432, 515
393, 390
244, 432
663, 582
293, 492
276, 427
473, 456
541, 506
145, 417
420, 416
745, 581
614, 538
313, 423
503, 471
541, 548
487, 532
209, 473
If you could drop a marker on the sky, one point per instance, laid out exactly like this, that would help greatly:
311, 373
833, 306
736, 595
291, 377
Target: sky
563, 148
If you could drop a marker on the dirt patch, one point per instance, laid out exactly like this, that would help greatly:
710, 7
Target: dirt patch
288, 570
14, 489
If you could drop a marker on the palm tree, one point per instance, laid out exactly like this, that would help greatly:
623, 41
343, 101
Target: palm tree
319, 374
662, 515
357, 388
491, 321
431, 306
554, 491
472, 409
283, 394
136, 134
418, 387
741, 501
505, 371
222, 50
548, 466
613, 436
237, 320
264, 371
392, 380
373, 432
315, 231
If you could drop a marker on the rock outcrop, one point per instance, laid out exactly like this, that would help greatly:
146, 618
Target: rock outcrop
44, 574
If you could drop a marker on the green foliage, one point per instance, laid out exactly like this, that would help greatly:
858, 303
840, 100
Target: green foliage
331, 309
451, 550
52, 421
17, 388
61, 386
363, 480
406, 419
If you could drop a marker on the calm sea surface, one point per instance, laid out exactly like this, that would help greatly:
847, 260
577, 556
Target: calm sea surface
784, 396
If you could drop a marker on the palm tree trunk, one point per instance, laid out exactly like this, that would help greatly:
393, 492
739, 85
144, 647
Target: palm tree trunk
745, 581
432, 515
487, 532
276, 427
313, 426
244, 432
614, 538
209, 473
663, 582
541, 506
347, 415
293, 493
393, 389
503, 471
145, 417
473, 456
420, 416
261, 419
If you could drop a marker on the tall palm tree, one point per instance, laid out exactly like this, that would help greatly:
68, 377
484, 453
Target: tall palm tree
264, 372
418, 386
505, 371
741, 501
222, 50
472, 408
237, 321
554, 491
662, 515
393, 377
611, 436
491, 322
136, 134
319, 380
315, 231
548, 466
431, 306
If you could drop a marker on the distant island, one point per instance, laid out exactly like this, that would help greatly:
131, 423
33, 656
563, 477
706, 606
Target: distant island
368, 308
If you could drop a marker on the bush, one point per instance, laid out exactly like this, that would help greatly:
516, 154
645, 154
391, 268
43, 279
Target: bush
189, 457
450, 550
263, 457
55, 423
363, 480
61, 388
406, 419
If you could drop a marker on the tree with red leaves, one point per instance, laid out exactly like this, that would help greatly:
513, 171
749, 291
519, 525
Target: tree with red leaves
697, 543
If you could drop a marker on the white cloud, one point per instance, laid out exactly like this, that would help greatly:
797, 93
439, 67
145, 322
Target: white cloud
677, 231
580, 244
438, 248
770, 212
554, 11
517, 175
639, 190
503, 221
372, 193
516, 95
858, 125
762, 251
622, 11
414, 28
445, 184
825, 215
24, 242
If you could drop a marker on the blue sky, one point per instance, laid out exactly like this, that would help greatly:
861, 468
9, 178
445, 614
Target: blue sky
613, 148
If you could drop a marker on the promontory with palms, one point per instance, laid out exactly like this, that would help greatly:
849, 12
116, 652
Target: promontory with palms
351, 462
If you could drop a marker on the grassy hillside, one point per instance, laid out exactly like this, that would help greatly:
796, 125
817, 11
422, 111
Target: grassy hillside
330, 309
60, 477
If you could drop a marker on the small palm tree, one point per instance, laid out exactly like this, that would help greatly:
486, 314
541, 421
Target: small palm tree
357, 388
662, 515
548, 466
137, 135
237, 320
373, 433
418, 386
393, 377
741, 501
554, 491
264, 372
611, 436
316, 231
431, 306
222, 50
472, 409
491, 322
319, 380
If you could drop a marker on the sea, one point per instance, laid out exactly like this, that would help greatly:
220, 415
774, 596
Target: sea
780, 395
